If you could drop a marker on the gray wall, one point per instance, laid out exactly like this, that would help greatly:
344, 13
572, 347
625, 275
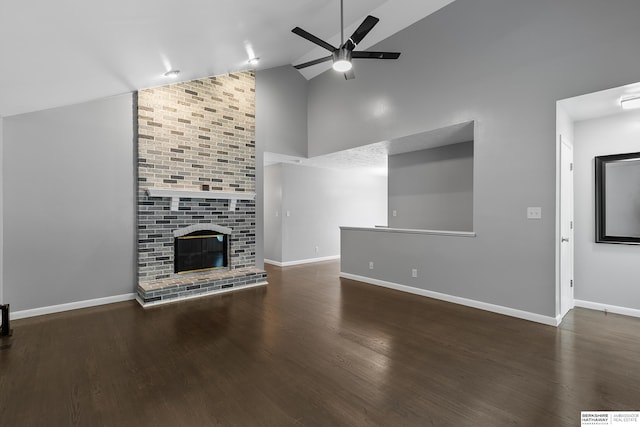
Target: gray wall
604, 273
432, 189
319, 201
281, 127
69, 215
502, 63
281, 111
272, 195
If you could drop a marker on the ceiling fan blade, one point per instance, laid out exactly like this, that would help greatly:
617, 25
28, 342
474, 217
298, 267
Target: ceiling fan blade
314, 62
375, 55
349, 75
313, 39
364, 28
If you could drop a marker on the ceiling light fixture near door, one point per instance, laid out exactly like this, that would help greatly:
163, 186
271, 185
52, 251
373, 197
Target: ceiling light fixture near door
172, 74
341, 56
254, 61
630, 102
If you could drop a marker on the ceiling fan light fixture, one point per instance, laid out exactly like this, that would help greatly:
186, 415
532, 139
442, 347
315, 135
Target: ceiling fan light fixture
342, 60
341, 56
342, 65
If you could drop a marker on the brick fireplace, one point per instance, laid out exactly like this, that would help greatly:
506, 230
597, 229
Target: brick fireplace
196, 171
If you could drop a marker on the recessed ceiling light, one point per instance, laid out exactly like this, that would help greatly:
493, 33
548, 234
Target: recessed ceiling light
630, 102
254, 61
172, 73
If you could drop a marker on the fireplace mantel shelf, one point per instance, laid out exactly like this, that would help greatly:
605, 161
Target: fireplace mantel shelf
177, 194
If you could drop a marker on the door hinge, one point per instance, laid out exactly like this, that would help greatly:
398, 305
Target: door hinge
570, 166
571, 282
571, 225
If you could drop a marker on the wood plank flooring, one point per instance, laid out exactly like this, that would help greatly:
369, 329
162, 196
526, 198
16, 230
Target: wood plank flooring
311, 349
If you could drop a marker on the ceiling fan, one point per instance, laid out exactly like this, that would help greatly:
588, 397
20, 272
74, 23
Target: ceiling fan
343, 55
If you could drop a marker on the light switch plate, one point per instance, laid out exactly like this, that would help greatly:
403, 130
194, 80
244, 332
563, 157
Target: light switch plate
534, 212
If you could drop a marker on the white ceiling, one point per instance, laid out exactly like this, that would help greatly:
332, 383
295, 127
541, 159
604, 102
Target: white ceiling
56, 53
598, 104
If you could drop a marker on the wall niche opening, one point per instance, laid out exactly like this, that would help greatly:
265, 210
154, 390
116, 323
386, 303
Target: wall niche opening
430, 179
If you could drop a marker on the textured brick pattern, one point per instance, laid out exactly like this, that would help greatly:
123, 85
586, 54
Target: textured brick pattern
156, 223
198, 132
181, 287
190, 134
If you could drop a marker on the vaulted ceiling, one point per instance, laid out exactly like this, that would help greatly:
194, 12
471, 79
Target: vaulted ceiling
69, 51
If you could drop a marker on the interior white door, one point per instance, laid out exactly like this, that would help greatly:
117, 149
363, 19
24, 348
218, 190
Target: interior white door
566, 227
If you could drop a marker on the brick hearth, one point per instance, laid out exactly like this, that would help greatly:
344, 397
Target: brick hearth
198, 284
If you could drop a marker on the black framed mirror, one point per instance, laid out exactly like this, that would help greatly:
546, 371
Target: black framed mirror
618, 199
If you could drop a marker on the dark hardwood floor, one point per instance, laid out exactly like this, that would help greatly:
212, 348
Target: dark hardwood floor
311, 349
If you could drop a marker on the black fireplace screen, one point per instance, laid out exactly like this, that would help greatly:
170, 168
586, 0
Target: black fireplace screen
199, 251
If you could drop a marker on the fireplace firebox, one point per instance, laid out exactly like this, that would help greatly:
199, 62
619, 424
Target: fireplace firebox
200, 251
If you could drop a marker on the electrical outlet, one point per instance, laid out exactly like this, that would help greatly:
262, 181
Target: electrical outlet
370, 265
414, 272
534, 213
317, 249
394, 212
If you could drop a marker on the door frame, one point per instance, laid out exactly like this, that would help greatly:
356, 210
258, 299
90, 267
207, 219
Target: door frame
559, 257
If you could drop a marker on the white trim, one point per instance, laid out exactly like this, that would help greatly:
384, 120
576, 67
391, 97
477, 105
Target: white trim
560, 317
556, 257
177, 194
204, 294
201, 227
563, 141
526, 315
625, 311
71, 306
301, 261
199, 194
412, 231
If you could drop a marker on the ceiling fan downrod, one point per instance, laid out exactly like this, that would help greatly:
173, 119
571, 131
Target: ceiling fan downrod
341, 22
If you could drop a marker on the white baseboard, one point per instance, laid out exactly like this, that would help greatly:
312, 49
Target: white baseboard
70, 306
302, 261
203, 294
533, 317
625, 311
